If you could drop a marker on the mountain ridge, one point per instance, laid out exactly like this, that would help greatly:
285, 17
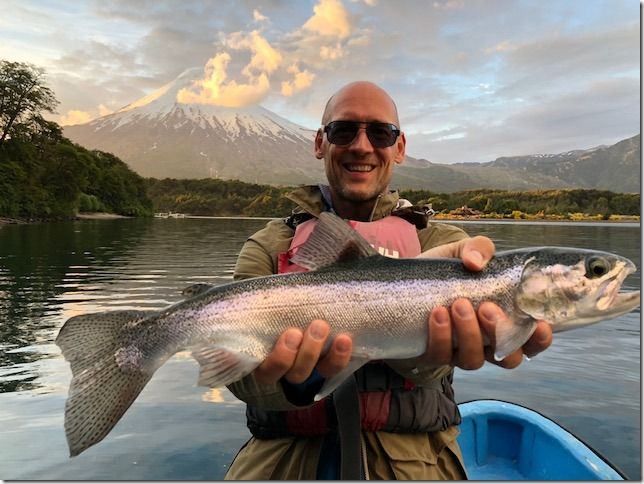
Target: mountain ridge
159, 137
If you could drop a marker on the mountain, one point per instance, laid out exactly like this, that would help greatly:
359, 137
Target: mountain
615, 168
162, 138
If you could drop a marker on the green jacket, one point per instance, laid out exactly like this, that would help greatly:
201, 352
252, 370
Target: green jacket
389, 455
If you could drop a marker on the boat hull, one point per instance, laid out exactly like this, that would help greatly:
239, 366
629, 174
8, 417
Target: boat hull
504, 441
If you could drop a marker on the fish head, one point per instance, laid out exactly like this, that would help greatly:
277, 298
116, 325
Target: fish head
571, 288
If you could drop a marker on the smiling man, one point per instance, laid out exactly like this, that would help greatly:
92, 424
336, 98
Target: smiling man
408, 417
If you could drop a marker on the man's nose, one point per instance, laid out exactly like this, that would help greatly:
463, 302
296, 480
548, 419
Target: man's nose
361, 142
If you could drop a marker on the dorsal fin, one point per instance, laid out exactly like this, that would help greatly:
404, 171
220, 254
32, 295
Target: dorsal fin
332, 240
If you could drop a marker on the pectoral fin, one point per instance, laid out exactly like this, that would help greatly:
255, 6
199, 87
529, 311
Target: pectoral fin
219, 366
512, 335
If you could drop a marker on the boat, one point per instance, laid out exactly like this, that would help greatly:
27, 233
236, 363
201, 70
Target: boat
505, 441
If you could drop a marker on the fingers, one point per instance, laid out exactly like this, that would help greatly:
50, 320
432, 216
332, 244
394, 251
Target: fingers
296, 354
337, 358
309, 352
469, 353
489, 315
474, 333
540, 340
477, 252
281, 358
439, 338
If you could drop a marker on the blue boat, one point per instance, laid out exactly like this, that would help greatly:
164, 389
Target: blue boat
505, 441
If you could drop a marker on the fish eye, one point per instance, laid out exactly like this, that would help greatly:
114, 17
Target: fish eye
596, 267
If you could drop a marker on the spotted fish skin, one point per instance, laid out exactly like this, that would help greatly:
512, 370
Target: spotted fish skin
382, 303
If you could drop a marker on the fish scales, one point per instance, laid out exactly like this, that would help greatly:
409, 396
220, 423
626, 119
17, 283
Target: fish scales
361, 301
382, 303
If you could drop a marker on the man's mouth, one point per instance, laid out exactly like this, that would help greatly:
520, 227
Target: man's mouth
358, 168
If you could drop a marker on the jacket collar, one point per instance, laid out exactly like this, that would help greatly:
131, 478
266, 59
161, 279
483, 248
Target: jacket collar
311, 199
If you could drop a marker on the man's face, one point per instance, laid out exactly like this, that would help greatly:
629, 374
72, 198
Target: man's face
358, 172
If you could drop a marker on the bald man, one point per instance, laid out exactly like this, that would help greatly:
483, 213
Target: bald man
408, 415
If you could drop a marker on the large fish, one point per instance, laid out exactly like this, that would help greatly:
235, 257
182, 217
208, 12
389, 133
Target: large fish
383, 303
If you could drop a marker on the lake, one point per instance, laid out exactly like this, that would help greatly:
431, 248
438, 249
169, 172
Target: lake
588, 381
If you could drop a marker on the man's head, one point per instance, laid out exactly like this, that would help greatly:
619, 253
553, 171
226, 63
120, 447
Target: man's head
357, 170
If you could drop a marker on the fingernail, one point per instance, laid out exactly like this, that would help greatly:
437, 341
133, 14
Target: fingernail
463, 310
476, 258
342, 346
293, 340
441, 318
318, 330
489, 313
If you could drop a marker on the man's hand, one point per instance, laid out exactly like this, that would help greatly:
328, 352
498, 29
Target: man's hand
297, 353
473, 329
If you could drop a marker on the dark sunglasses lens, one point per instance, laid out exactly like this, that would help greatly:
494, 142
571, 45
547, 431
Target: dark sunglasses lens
381, 135
342, 133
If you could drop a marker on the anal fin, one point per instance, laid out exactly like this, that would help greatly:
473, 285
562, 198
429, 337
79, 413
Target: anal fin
334, 382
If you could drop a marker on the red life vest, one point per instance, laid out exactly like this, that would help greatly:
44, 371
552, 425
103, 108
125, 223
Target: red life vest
390, 236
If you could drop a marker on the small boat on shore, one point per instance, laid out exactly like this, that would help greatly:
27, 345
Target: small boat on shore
504, 441
170, 215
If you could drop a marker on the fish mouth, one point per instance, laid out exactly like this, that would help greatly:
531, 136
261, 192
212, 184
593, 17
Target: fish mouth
610, 300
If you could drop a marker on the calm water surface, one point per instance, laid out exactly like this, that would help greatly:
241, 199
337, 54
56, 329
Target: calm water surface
589, 380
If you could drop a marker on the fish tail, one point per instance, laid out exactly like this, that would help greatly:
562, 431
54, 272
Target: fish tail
102, 386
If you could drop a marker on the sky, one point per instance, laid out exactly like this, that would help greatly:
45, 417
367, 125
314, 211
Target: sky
473, 80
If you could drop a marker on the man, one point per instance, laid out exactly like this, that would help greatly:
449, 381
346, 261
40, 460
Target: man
409, 417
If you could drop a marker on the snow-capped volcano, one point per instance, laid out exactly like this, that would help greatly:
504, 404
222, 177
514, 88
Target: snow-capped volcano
160, 137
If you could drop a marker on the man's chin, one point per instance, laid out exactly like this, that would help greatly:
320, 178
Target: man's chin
359, 196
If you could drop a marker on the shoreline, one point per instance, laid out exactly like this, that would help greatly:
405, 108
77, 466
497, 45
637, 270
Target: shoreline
99, 216
467, 219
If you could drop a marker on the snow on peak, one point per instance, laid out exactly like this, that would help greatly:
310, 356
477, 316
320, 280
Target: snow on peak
161, 106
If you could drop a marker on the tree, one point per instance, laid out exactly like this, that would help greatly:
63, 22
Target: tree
23, 96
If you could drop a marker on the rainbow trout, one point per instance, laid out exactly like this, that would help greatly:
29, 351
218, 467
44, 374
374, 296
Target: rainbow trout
383, 303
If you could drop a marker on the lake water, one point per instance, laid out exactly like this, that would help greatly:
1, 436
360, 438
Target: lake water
589, 380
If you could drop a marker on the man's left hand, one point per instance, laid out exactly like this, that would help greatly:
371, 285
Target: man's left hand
473, 329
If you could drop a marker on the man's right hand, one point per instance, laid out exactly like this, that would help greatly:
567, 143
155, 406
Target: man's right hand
297, 353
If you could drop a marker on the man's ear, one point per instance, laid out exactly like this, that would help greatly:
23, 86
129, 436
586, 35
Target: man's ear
401, 142
319, 138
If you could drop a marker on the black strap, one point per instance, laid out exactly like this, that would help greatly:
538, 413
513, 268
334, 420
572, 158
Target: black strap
347, 409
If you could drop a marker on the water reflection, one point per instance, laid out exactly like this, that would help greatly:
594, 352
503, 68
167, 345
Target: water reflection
175, 430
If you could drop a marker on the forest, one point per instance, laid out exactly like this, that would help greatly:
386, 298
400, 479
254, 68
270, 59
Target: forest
45, 176
228, 198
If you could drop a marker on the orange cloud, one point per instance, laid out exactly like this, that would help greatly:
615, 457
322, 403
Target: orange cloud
329, 19
301, 80
214, 89
75, 117
331, 53
264, 57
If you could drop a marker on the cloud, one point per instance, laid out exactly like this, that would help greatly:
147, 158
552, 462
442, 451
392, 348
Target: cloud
264, 57
330, 19
104, 110
503, 46
75, 117
259, 17
331, 53
603, 113
301, 80
215, 89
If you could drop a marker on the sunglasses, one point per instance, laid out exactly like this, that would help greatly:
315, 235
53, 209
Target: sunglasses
342, 133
